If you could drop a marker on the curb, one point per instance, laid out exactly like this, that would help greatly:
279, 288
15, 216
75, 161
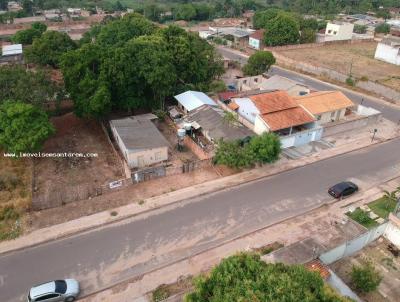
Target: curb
229, 186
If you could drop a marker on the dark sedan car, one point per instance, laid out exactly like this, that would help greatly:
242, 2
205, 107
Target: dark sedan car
343, 189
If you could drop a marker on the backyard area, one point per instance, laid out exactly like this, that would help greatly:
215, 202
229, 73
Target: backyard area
359, 58
379, 255
15, 194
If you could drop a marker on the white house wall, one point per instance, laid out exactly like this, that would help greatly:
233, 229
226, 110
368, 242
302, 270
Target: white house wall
254, 43
388, 53
392, 232
339, 32
260, 126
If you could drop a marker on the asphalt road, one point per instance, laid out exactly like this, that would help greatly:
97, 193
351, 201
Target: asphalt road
390, 112
103, 257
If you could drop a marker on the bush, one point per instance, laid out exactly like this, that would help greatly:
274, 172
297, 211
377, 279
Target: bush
365, 278
360, 29
160, 293
350, 81
9, 181
383, 28
8, 213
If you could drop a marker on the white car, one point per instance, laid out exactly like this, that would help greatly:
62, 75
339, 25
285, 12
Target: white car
55, 291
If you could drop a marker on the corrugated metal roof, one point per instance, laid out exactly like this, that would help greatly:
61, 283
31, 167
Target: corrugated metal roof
139, 134
194, 99
12, 50
279, 83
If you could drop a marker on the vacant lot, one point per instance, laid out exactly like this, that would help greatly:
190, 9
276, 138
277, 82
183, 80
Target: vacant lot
15, 194
66, 179
342, 57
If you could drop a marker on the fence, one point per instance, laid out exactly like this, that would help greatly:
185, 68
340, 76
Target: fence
352, 246
316, 45
370, 86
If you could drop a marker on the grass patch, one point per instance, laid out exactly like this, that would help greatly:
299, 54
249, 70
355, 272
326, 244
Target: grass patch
141, 202
161, 293
383, 206
164, 291
10, 225
362, 218
269, 248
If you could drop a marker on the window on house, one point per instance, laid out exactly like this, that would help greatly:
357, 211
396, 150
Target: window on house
245, 82
333, 114
255, 80
335, 32
329, 31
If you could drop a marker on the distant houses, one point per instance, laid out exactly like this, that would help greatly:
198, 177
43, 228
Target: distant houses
338, 31
388, 50
256, 39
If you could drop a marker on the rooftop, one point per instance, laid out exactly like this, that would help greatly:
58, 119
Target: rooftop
211, 120
277, 82
194, 99
258, 34
11, 50
139, 133
391, 41
324, 101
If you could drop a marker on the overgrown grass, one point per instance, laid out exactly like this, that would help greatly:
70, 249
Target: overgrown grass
267, 249
161, 293
362, 218
383, 206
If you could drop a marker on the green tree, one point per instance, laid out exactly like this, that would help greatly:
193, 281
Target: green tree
27, 6
26, 36
282, 30
23, 127
185, 12
233, 154
48, 49
245, 277
266, 147
365, 278
39, 26
34, 87
259, 63
360, 29
383, 28
308, 35
261, 19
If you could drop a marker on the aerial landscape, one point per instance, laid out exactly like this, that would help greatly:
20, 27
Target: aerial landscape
200, 151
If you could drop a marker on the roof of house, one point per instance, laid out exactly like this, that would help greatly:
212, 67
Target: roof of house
211, 120
318, 267
324, 101
280, 83
139, 134
194, 99
11, 50
391, 41
258, 34
280, 111
233, 106
227, 95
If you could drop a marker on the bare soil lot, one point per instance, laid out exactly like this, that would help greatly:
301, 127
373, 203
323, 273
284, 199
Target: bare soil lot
340, 57
66, 179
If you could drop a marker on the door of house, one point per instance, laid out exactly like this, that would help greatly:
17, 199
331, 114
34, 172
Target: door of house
141, 161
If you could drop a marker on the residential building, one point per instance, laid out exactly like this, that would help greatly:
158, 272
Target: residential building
256, 39
338, 31
278, 112
11, 54
326, 106
275, 82
191, 100
74, 12
13, 6
388, 50
139, 141
212, 123
238, 36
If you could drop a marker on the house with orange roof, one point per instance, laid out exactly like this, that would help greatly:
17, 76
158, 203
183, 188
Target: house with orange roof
326, 106
278, 112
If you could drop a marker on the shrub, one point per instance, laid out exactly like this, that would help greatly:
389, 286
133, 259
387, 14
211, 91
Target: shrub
160, 293
350, 81
364, 79
365, 278
9, 181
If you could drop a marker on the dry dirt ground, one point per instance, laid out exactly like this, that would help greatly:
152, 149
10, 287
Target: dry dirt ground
340, 58
64, 179
383, 261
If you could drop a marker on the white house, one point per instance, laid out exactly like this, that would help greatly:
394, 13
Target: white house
191, 100
256, 39
388, 50
140, 141
338, 31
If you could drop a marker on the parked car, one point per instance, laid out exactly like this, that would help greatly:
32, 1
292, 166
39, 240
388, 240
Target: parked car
343, 189
54, 291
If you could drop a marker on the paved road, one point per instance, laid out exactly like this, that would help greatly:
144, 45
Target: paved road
105, 256
388, 111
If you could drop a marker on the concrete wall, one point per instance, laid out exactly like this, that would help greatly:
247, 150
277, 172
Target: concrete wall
260, 126
302, 138
146, 158
249, 83
382, 90
388, 54
343, 126
254, 43
392, 232
332, 116
339, 32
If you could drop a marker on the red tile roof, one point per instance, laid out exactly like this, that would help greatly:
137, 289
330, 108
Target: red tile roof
223, 96
258, 34
318, 267
279, 110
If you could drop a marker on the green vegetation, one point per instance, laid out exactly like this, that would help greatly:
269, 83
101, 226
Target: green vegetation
360, 29
129, 64
160, 293
383, 206
48, 48
260, 149
282, 30
245, 277
383, 28
259, 63
362, 218
365, 278
23, 127
350, 81
10, 226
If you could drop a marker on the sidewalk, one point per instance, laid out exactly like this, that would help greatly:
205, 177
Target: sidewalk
323, 224
105, 218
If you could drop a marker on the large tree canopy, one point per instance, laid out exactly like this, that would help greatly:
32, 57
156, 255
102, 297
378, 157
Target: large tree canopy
282, 30
47, 49
259, 63
23, 127
245, 277
121, 66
